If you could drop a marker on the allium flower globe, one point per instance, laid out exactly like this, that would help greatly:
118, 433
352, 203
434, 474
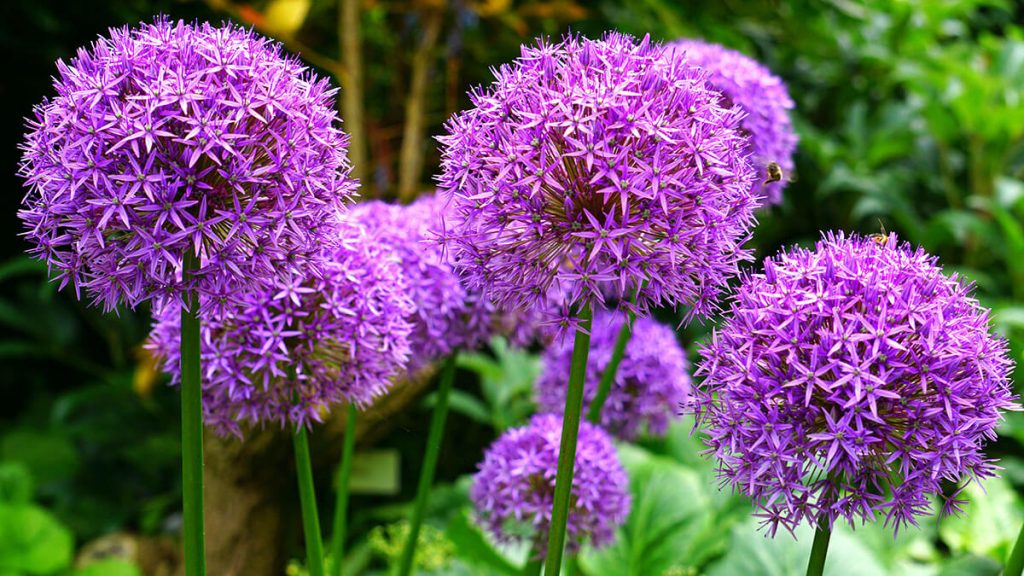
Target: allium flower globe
650, 384
762, 95
513, 490
291, 350
853, 381
447, 316
175, 138
597, 166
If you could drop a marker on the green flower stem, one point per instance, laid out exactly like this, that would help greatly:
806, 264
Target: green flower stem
341, 502
307, 499
1015, 566
608, 378
193, 532
816, 565
434, 438
567, 449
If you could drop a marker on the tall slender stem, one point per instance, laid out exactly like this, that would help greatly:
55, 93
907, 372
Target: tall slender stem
429, 463
341, 503
567, 449
608, 378
192, 431
307, 499
816, 565
1015, 566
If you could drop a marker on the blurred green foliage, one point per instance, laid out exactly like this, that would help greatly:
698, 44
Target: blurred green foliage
911, 117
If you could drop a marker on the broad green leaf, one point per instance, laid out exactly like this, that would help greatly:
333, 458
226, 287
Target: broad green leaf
751, 553
990, 522
32, 541
472, 546
971, 566
668, 524
16, 485
49, 456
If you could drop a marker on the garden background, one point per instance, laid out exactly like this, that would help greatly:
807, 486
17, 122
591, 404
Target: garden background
911, 119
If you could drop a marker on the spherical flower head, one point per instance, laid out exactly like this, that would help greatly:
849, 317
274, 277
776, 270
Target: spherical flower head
651, 382
762, 95
288, 352
171, 139
443, 320
592, 167
852, 381
514, 489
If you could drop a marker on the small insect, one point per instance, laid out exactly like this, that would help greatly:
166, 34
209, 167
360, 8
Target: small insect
775, 173
880, 238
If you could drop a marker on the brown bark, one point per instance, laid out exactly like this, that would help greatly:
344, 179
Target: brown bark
410, 162
351, 45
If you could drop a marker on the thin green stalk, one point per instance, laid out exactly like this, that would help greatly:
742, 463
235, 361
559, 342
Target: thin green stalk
341, 503
816, 565
434, 438
1015, 566
307, 499
193, 532
567, 448
608, 378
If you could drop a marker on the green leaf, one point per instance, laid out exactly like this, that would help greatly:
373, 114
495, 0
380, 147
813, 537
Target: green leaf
971, 566
469, 406
473, 548
109, 567
664, 530
990, 521
48, 455
32, 541
16, 486
751, 553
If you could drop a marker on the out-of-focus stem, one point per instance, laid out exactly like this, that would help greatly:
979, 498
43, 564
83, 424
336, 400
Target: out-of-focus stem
351, 80
341, 503
434, 438
410, 162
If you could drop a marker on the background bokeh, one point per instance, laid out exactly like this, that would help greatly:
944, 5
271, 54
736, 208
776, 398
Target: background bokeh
911, 119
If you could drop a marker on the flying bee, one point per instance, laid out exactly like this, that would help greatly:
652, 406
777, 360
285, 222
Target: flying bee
775, 173
880, 238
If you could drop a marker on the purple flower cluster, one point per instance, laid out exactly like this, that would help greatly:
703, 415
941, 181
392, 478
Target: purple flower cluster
597, 167
650, 384
852, 381
175, 138
447, 317
289, 351
514, 488
762, 95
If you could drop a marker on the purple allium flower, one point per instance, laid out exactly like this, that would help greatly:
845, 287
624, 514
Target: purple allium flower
172, 138
514, 489
447, 317
289, 351
650, 384
597, 166
853, 381
762, 95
